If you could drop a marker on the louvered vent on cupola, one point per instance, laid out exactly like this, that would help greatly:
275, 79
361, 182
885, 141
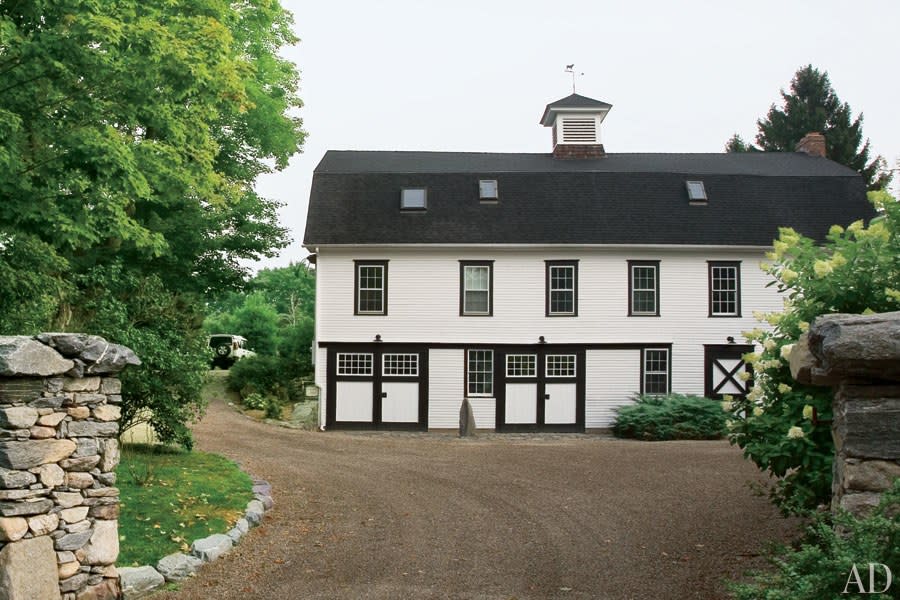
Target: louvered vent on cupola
575, 121
579, 130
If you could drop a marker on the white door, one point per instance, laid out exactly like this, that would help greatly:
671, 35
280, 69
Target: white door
521, 407
354, 401
560, 403
399, 402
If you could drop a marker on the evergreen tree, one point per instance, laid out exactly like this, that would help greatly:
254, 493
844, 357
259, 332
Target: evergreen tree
812, 105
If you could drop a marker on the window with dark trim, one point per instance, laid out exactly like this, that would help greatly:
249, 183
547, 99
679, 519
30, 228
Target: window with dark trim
480, 373
724, 289
562, 288
476, 282
655, 371
370, 293
643, 288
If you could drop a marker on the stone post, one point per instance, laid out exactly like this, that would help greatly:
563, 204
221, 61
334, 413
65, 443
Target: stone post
59, 413
858, 355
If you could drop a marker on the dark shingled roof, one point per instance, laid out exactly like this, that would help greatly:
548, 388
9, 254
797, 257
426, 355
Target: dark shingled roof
623, 199
574, 101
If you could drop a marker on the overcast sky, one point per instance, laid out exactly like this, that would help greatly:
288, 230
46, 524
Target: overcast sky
466, 75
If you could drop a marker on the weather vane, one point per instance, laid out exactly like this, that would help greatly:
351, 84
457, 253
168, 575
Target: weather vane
571, 69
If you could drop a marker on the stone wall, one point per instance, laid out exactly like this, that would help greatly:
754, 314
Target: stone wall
859, 356
59, 413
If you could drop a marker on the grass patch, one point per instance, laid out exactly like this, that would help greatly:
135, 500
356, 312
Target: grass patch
671, 417
171, 497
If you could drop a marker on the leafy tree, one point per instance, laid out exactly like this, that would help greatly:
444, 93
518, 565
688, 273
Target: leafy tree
257, 321
276, 315
131, 133
291, 289
812, 105
737, 144
138, 311
857, 270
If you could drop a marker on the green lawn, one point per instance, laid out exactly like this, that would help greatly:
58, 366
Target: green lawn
171, 497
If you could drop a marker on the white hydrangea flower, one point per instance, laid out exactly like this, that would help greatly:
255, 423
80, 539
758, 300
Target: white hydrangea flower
795, 432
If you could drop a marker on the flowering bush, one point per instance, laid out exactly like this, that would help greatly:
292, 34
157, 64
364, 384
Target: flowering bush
779, 423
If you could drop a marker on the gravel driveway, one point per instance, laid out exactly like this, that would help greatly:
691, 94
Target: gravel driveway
368, 515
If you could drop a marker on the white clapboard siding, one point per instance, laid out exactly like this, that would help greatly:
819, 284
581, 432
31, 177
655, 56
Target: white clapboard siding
321, 369
423, 308
612, 379
445, 388
423, 298
485, 411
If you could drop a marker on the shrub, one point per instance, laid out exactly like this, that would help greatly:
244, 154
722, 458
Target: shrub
261, 374
857, 270
671, 417
273, 408
822, 565
254, 401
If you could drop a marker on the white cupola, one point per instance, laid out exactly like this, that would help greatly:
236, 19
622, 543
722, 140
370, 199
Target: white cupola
576, 126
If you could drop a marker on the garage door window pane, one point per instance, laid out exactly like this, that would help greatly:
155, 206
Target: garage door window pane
521, 365
354, 364
560, 365
401, 365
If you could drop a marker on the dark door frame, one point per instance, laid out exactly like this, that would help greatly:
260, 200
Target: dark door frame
377, 378
541, 350
712, 354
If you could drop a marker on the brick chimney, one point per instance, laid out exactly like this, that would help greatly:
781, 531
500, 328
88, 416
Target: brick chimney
575, 122
813, 143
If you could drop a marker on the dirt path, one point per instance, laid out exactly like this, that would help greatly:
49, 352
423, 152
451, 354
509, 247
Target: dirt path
432, 516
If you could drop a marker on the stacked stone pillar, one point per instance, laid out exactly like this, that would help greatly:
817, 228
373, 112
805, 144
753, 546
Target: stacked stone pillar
59, 411
858, 355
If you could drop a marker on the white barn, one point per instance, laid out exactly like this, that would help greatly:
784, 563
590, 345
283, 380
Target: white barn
548, 289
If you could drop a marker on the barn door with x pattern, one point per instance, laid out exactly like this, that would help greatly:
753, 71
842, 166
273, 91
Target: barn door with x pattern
723, 367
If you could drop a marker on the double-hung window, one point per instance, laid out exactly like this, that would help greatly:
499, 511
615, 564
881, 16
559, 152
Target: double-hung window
655, 371
476, 280
643, 288
724, 289
370, 296
562, 288
480, 373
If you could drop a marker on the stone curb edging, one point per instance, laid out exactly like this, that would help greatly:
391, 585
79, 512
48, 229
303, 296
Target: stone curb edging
137, 582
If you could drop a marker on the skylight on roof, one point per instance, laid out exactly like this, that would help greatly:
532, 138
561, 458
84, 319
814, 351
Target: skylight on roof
413, 199
487, 189
696, 191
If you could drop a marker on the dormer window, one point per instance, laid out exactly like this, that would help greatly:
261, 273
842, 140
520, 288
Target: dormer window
413, 199
696, 192
487, 190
